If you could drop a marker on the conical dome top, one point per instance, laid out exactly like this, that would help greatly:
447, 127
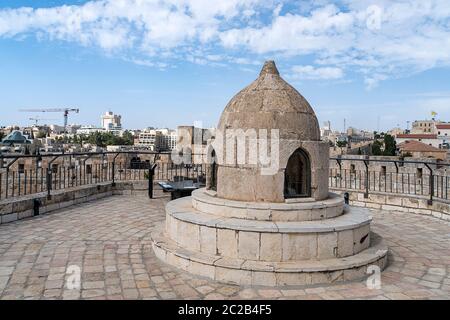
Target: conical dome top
269, 68
271, 103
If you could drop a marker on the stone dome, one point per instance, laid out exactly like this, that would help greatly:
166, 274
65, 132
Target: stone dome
271, 103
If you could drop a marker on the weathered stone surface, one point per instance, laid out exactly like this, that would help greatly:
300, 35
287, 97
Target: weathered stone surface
227, 242
299, 246
249, 244
327, 245
271, 247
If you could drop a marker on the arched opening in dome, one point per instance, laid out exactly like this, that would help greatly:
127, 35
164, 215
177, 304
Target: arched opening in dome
297, 176
212, 174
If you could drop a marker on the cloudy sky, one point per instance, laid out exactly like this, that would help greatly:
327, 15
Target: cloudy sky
172, 62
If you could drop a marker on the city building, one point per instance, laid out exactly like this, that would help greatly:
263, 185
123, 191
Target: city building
429, 139
443, 134
396, 131
418, 149
111, 121
87, 130
424, 127
157, 139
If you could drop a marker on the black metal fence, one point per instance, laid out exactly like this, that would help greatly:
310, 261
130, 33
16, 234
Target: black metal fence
407, 177
46, 173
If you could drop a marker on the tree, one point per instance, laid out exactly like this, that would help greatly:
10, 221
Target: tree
2, 135
389, 145
359, 151
341, 144
376, 148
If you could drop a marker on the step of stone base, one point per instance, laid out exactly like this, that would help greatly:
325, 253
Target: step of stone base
248, 272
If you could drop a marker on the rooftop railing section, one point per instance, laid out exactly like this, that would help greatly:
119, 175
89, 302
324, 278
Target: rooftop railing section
24, 175
429, 179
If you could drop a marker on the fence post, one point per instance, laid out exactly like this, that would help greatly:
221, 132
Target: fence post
151, 174
366, 194
114, 170
50, 176
430, 201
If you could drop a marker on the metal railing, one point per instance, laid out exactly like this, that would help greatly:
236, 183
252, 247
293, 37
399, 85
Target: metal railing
407, 177
53, 172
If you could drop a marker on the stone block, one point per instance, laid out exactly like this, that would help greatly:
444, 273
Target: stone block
201, 269
25, 214
271, 247
264, 278
420, 211
355, 273
296, 279
299, 246
9, 217
373, 205
227, 243
327, 245
436, 214
361, 238
376, 198
188, 235
176, 261
6, 208
258, 214
172, 227
284, 215
410, 202
208, 240
358, 204
327, 277
248, 245
345, 243
236, 276
394, 200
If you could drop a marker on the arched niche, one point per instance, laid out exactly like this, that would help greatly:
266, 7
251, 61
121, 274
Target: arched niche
297, 176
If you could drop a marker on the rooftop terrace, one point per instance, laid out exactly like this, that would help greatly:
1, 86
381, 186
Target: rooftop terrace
109, 239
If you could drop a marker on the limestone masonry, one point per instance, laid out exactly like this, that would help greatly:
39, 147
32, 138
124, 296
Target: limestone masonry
284, 228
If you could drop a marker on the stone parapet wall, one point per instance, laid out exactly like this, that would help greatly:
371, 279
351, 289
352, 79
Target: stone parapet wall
399, 202
14, 209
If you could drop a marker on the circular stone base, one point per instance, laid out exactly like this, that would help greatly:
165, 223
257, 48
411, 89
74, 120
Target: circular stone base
292, 210
259, 273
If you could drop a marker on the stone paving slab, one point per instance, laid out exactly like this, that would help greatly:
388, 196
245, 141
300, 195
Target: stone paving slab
109, 240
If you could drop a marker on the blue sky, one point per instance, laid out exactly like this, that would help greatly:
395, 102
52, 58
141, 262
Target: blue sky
173, 62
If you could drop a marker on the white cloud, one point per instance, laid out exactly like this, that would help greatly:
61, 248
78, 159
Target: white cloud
401, 38
322, 73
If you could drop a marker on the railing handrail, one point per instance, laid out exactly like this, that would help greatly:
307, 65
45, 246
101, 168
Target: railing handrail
437, 162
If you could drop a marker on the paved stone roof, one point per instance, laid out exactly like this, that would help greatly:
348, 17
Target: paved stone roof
443, 126
271, 103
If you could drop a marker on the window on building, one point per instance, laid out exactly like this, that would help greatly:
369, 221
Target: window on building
352, 168
383, 170
54, 168
21, 168
297, 176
